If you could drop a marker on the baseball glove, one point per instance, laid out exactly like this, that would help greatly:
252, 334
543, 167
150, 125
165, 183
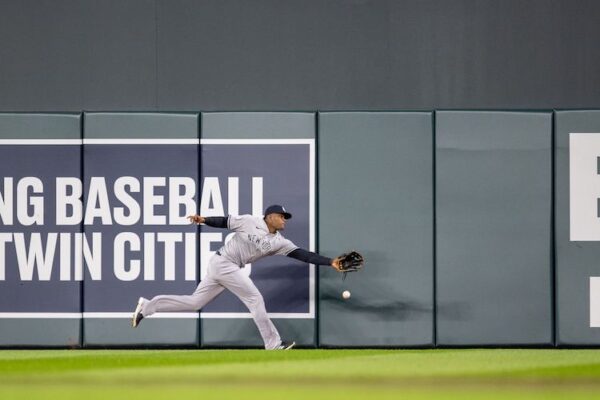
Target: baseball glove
351, 262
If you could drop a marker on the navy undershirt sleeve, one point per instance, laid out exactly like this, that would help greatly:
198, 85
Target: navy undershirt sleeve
309, 257
216, 222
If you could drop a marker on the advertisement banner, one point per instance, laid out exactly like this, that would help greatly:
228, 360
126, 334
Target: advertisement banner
123, 231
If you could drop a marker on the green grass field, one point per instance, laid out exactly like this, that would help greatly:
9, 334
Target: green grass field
299, 374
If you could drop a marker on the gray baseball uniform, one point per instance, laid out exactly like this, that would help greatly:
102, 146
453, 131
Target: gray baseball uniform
251, 242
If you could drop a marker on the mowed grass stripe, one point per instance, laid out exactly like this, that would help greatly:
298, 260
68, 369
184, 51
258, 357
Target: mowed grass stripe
300, 374
17, 361
292, 393
308, 363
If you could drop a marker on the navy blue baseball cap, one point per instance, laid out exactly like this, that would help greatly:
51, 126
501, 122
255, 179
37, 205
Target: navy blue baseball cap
277, 209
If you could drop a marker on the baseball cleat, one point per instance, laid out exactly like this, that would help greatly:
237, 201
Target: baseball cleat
285, 345
137, 314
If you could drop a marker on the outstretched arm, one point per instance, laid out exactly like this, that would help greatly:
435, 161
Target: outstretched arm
314, 258
216, 222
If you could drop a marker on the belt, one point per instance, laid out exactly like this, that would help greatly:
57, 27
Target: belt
219, 254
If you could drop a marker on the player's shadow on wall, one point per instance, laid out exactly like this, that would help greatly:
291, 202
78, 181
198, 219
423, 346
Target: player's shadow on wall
398, 308
381, 299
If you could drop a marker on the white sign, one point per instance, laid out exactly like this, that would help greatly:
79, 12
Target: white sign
584, 178
595, 302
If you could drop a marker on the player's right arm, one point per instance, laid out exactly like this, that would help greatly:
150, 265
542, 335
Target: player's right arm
235, 223
216, 222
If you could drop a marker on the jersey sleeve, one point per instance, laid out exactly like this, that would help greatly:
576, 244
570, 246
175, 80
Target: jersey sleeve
309, 257
238, 223
285, 247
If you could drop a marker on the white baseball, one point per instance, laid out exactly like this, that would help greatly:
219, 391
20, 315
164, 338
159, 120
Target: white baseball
346, 294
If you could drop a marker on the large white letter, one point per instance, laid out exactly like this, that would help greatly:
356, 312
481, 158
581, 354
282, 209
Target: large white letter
233, 195
65, 256
257, 196
149, 256
127, 200
6, 202
4, 238
584, 172
23, 201
594, 301
119, 256
97, 194
169, 238
211, 191
190, 256
27, 260
151, 200
92, 257
176, 199
64, 200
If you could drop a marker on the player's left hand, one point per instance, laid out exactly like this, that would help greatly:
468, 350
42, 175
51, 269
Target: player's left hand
336, 264
350, 262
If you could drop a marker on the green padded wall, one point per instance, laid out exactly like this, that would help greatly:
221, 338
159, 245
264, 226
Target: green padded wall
226, 331
57, 325
494, 233
108, 305
376, 196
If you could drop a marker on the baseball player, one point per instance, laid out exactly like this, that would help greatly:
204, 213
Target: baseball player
254, 239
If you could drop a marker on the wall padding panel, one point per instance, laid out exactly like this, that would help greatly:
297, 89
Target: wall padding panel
376, 196
493, 220
577, 151
152, 149
40, 303
275, 149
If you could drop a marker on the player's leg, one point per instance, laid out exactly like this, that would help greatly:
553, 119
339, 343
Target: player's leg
207, 290
243, 287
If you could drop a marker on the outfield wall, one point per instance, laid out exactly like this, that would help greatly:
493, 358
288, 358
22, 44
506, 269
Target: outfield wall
479, 227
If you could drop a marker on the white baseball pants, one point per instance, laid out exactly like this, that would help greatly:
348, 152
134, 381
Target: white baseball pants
222, 274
